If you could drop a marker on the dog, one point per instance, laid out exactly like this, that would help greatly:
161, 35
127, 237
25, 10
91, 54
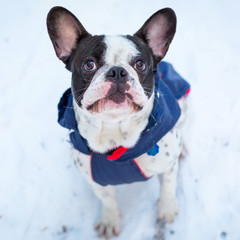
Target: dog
122, 109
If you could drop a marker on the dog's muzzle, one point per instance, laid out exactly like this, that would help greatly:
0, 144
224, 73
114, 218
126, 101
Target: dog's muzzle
117, 95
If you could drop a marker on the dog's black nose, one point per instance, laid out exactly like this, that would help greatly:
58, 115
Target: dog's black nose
117, 74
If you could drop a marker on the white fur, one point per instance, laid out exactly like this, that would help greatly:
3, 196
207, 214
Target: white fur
169, 150
97, 89
120, 50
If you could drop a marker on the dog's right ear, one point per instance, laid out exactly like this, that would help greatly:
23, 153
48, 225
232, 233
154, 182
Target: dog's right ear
158, 31
65, 31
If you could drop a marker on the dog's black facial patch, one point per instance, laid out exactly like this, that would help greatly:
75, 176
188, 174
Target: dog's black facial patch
146, 76
89, 49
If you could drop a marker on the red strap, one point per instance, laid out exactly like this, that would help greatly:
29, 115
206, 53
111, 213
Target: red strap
187, 92
117, 153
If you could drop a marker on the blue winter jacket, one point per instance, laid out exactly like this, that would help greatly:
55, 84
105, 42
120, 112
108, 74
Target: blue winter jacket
169, 87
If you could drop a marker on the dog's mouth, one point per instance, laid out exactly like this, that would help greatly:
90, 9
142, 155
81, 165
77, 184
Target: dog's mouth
115, 102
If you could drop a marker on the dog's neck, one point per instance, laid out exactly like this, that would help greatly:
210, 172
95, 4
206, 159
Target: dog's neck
103, 135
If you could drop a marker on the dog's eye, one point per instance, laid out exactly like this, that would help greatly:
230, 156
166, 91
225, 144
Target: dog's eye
90, 65
139, 65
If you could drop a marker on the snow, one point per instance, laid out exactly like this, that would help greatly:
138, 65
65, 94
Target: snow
43, 196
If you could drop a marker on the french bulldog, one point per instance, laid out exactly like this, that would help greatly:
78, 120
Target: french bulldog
123, 118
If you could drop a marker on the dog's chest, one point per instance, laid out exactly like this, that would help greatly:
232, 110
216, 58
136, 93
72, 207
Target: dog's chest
113, 133
103, 135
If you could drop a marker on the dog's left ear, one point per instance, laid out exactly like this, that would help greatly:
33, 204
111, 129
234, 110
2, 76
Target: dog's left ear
65, 31
158, 32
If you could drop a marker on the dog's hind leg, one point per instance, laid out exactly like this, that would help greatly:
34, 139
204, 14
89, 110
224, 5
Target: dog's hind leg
183, 103
109, 222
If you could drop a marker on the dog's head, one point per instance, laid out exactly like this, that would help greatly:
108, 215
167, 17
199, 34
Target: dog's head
111, 75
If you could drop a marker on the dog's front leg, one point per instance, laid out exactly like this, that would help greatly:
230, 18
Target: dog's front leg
109, 222
167, 203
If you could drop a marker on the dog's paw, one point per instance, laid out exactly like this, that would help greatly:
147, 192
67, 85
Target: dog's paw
108, 224
167, 210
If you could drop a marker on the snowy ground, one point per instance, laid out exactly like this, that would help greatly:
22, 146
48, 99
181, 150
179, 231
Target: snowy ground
42, 195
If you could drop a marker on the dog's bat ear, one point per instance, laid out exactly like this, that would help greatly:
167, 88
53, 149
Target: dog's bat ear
158, 32
65, 31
